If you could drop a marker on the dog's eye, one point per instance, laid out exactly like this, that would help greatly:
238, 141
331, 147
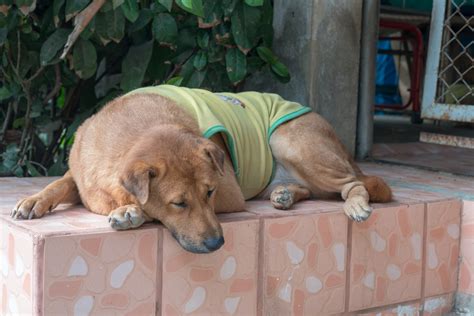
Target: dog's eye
209, 193
180, 205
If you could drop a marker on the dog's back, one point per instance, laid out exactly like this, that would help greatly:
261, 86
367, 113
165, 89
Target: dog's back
103, 141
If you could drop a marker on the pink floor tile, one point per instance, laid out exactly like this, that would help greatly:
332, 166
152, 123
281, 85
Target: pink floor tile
304, 265
466, 273
438, 305
264, 208
220, 283
100, 274
386, 265
400, 310
16, 270
442, 247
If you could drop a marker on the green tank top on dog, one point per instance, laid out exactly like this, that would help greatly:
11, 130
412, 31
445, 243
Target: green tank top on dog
247, 120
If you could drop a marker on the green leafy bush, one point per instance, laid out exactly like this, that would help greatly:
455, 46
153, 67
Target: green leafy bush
57, 68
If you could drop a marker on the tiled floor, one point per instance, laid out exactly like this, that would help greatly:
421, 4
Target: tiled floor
430, 156
310, 260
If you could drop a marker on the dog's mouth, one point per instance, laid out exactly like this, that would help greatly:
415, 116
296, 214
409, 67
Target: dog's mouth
207, 246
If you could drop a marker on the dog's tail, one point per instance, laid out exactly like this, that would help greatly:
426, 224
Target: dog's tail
379, 191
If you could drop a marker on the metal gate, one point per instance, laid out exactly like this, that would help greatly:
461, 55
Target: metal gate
449, 78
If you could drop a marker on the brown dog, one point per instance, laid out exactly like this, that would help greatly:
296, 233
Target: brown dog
143, 157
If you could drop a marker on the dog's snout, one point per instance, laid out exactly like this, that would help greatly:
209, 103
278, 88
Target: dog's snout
214, 243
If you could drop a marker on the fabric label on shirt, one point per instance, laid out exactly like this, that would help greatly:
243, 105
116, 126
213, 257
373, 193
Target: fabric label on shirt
230, 100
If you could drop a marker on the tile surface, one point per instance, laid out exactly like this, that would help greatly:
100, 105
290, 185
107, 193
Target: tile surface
438, 305
442, 247
466, 273
219, 283
400, 310
304, 264
434, 156
100, 274
386, 265
16, 270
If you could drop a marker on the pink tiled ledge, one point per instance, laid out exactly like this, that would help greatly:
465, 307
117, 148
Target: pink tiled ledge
308, 261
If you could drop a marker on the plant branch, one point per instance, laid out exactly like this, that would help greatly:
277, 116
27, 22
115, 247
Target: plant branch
36, 74
45, 171
7, 121
57, 84
177, 67
18, 50
80, 23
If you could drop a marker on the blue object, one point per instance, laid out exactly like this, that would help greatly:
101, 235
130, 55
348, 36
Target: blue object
386, 78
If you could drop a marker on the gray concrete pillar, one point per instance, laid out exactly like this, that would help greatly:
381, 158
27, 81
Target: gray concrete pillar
319, 41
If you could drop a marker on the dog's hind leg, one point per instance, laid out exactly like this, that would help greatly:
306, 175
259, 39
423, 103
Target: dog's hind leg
309, 149
63, 190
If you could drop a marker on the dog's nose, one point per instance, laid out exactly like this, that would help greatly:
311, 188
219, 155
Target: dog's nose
214, 243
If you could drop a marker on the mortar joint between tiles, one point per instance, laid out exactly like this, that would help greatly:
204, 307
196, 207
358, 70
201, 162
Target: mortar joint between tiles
423, 256
348, 266
260, 266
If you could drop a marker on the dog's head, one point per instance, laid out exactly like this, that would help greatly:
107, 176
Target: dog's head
174, 177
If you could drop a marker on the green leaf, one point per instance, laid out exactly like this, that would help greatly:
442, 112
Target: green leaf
32, 169
165, 29
160, 62
175, 81
57, 5
200, 60
3, 35
10, 156
215, 52
281, 71
196, 79
134, 66
73, 7
266, 54
266, 26
192, 6
26, 6
186, 39
52, 45
19, 122
5, 93
84, 59
245, 21
116, 3
203, 39
22, 3
30, 60
59, 167
212, 14
168, 4
143, 19
236, 65
110, 25
277, 67
254, 3
130, 10
228, 6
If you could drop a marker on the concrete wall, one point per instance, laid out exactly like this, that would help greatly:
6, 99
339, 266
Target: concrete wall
319, 41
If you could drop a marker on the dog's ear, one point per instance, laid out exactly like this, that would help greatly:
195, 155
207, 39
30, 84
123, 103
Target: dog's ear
216, 155
136, 180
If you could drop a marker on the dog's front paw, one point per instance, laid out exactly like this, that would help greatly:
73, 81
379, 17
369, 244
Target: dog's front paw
357, 208
282, 198
31, 207
127, 217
